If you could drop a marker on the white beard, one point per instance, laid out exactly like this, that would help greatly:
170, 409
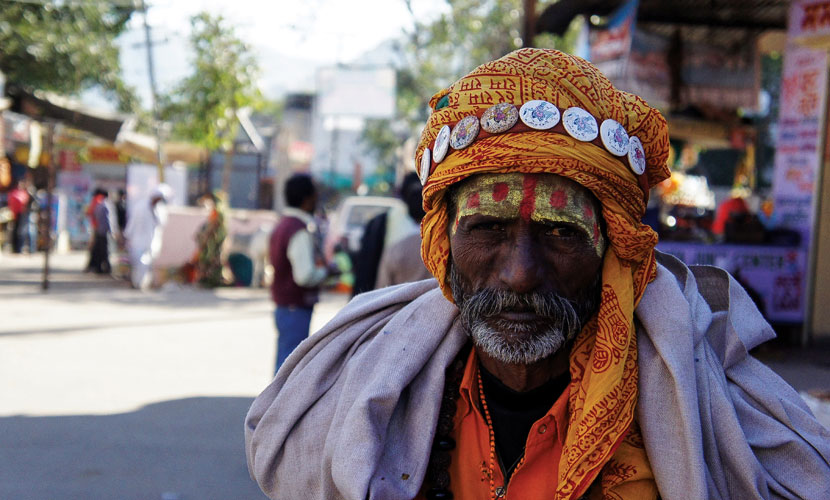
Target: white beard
524, 347
517, 342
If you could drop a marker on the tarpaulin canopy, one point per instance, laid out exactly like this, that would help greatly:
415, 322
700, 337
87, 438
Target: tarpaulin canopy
753, 15
143, 147
43, 106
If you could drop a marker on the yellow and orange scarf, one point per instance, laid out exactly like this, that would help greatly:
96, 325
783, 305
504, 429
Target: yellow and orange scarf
602, 439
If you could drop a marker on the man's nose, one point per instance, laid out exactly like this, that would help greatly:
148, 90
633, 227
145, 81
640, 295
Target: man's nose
520, 269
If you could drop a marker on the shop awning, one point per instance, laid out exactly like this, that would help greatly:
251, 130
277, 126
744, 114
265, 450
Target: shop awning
143, 147
753, 15
46, 106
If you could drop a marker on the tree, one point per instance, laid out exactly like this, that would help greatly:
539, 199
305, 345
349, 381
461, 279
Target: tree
65, 47
203, 106
437, 53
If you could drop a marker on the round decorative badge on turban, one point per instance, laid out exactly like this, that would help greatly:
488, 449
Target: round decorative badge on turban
573, 123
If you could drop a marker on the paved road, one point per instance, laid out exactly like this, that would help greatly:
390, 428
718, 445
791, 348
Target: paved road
110, 393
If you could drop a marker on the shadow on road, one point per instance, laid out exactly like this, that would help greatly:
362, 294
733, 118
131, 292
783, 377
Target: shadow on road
77, 287
183, 449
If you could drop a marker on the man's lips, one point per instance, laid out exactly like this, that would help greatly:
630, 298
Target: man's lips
518, 316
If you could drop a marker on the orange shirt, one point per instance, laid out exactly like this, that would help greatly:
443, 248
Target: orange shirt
475, 473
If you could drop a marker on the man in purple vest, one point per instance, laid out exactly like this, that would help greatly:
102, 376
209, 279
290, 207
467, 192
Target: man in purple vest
298, 265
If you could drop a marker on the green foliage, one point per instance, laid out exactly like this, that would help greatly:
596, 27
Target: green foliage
65, 47
202, 106
437, 53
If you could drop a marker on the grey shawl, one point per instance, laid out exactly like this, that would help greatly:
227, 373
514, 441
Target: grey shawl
352, 412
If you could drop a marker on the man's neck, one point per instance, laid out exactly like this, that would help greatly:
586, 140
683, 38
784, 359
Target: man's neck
298, 213
523, 378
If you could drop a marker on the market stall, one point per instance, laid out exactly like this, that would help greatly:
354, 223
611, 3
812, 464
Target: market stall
746, 117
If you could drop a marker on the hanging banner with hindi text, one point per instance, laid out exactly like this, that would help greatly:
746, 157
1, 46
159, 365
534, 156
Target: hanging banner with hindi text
798, 150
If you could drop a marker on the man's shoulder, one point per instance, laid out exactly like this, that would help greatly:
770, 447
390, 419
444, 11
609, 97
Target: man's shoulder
401, 295
699, 292
714, 284
287, 223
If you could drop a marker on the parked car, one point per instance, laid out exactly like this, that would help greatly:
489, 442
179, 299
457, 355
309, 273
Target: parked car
347, 225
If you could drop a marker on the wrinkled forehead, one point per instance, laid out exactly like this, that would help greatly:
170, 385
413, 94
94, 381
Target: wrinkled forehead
528, 196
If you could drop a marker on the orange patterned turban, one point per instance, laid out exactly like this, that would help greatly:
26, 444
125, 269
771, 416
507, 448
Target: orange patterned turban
602, 435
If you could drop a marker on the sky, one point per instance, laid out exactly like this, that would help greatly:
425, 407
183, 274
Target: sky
291, 37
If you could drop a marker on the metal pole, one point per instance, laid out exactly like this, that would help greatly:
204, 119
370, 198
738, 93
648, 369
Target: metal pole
153, 93
50, 187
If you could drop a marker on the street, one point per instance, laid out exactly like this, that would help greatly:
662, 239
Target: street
110, 393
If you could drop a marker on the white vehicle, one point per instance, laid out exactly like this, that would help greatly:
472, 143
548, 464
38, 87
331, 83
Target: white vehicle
350, 220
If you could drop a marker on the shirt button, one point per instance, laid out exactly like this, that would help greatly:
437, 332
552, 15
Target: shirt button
543, 428
500, 491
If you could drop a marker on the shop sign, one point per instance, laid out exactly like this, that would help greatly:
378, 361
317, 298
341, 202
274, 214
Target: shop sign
68, 160
776, 274
300, 152
104, 154
16, 127
5, 173
76, 186
810, 23
800, 123
610, 46
726, 79
634, 61
21, 155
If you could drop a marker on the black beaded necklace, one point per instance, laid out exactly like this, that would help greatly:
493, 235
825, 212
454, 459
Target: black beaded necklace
438, 468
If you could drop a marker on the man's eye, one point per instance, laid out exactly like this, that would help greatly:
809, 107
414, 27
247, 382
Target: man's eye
488, 226
562, 232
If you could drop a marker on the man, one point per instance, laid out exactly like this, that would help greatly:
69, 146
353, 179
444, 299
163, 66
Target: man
121, 212
18, 202
560, 356
98, 196
400, 261
298, 266
385, 231
100, 259
144, 230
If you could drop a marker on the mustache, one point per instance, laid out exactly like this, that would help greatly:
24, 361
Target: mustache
567, 315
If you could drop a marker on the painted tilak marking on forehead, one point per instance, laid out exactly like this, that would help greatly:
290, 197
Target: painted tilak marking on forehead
528, 204
540, 198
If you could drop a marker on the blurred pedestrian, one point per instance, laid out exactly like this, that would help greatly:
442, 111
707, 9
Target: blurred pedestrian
18, 201
298, 264
121, 212
98, 197
143, 233
401, 262
29, 227
100, 260
382, 232
209, 240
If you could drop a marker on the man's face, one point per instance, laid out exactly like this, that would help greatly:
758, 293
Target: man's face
526, 257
